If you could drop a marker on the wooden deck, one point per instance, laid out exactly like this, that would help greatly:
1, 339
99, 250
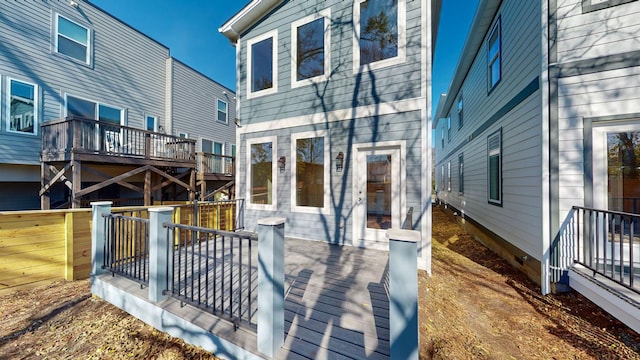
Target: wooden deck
336, 305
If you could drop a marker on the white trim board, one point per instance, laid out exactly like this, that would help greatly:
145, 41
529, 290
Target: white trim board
414, 104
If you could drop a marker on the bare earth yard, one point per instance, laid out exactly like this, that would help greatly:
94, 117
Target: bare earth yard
475, 306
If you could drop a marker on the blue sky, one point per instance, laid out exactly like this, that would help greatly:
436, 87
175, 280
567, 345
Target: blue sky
190, 29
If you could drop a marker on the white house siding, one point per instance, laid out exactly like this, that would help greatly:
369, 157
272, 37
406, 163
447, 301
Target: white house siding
603, 92
290, 111
597, 33
195, 107
519, 218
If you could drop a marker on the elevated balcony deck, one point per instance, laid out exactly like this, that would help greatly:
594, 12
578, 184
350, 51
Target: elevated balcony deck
81, 139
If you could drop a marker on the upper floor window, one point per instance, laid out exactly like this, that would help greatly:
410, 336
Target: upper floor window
594, 5
222, 111
22, 108
494, 51
72, 39
262, 74
380, 33
442, 137
460, 113
310, 52
151, 123
449, 128
183, 135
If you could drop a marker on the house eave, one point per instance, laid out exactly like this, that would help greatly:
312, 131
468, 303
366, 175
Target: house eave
483, 19
246, 17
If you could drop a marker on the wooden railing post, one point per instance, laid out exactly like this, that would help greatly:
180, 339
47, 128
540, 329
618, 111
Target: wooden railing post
99, 209
270, 285
160, 259
403, 293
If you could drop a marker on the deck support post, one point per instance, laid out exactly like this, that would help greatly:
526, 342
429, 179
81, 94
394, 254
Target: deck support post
160, 262
403, 293
98, 209
270, 285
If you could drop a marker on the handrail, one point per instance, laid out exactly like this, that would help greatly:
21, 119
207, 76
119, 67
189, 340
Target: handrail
210, 163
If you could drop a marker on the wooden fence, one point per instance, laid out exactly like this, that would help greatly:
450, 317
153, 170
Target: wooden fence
38, 247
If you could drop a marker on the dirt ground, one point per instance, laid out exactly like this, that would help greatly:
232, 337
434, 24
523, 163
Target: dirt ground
475, 306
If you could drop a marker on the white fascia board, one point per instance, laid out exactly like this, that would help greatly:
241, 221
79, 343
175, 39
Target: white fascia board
246, 17
439, 110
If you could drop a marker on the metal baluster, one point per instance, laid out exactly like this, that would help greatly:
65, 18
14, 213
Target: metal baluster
239, 241
231, 279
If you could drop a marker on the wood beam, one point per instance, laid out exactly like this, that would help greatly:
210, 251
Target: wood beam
59, 174
45, 200
76, 178
105, 176
175, 179
167, 182
147, 188
113, 180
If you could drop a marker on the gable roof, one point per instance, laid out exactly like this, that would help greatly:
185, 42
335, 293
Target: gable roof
246, 17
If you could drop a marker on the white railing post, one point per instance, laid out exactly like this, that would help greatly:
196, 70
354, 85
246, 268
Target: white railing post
98, 209
403, 293
270, 285
160, 258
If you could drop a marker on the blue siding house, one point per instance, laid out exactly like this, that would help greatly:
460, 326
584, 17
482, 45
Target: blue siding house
538, 144
334, 117
61, 59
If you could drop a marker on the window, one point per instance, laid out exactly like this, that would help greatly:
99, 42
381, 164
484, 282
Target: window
494, 164
310, 170
218, 148
449, 128
461, 173
494, 48
222, 111
311, 53
93, 110
183, 135
207, 146
151, 123
72, 40
22, 108
442, 137
380, 33
262, 57
460, 113
442, 177
594, 5
233, 150
261, 177
449, 175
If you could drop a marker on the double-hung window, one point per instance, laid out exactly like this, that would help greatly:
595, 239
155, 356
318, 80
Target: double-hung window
93, 110
494, 55
262, 60
449, 128
594, 5
494, 167
72, 39
311, 39
461, 173
460, 113
151, 123
310, 170
449, 175
379, 37
261, 174
442, 177
222, 111
22, 107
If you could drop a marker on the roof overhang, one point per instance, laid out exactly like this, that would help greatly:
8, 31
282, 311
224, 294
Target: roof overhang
246, 17
483, 19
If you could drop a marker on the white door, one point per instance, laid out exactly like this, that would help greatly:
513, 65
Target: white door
378, 193
616, 167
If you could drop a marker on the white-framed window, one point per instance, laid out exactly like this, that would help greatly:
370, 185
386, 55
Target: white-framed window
88, 109
460, 112
461, 173
442, 137
449, 176
151, 123
72, 39
233, 150
207, 146
218, 148
22, 115
222, 111
262, 173
262, 65
449, 128
183, 135
310, 167
595, 5
494, 55
442, 178
380, 33
494, 167
311, 49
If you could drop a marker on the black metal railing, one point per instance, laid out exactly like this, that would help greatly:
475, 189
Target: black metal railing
126, 247
605, 242
215, 271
